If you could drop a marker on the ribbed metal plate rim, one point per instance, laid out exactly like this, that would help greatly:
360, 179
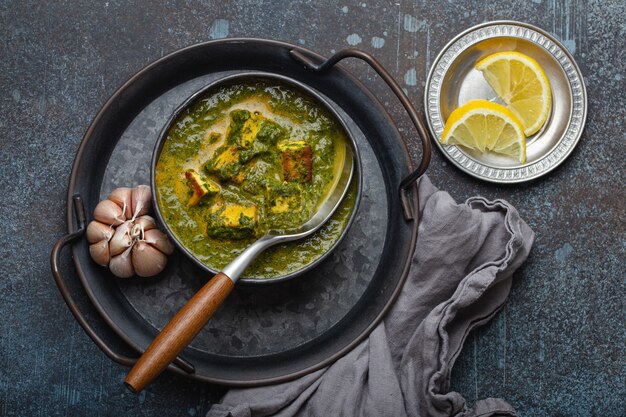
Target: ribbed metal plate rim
525, 31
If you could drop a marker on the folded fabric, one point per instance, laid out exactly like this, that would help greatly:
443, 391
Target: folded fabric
460, 276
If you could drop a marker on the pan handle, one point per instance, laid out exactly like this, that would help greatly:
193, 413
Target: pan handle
55, 263
408, 181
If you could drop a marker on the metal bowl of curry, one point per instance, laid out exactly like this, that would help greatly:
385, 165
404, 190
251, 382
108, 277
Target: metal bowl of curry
248, 153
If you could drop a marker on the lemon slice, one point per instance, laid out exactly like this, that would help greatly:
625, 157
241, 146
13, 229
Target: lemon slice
521, 83
483, 125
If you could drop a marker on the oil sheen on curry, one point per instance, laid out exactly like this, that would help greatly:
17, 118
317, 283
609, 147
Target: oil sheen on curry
248, 158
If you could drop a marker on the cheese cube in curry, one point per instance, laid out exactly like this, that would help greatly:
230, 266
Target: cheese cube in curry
237, 120
260, 139
225, 163
297, 159
232, 221
243, 128
249, 131
284, 198
201, 186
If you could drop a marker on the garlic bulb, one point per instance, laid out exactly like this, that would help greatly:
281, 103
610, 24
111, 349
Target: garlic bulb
125, 238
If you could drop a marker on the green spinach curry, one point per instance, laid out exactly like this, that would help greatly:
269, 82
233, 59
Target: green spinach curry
247, 158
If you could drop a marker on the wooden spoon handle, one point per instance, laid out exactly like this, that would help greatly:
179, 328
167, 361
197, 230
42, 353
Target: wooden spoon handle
179, 332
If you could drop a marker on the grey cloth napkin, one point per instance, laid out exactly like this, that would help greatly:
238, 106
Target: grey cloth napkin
460, 276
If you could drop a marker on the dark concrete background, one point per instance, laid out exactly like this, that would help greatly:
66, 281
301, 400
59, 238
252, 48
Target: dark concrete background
557, 347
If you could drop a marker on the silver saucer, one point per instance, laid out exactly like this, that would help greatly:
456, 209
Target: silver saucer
453, 81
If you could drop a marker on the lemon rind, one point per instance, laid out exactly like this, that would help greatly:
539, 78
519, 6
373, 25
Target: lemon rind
531, 63
484, 107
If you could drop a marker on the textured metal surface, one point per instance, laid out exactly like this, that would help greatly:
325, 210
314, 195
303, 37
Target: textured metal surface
453, 81
556, 348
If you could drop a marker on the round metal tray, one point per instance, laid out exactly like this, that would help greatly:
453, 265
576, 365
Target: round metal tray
453, 81
262, 334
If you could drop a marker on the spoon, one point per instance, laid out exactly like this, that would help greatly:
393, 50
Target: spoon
194, 315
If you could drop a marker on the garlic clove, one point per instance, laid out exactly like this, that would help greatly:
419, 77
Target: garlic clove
99, 252
146, 222
141, 197
159, 240
122, 264
122, 197
121, 239
108, 212
97, 231
147, 260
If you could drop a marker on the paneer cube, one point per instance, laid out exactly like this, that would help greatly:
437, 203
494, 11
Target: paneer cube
261, 139
246, 127
284, 198
232, 221
238, 119
225, 163
249, 131
297, 161
201, 186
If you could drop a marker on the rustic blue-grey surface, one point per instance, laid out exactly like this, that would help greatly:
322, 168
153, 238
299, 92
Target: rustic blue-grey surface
557, 347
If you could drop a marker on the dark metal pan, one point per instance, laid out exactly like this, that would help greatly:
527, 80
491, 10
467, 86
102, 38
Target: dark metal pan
266, 334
